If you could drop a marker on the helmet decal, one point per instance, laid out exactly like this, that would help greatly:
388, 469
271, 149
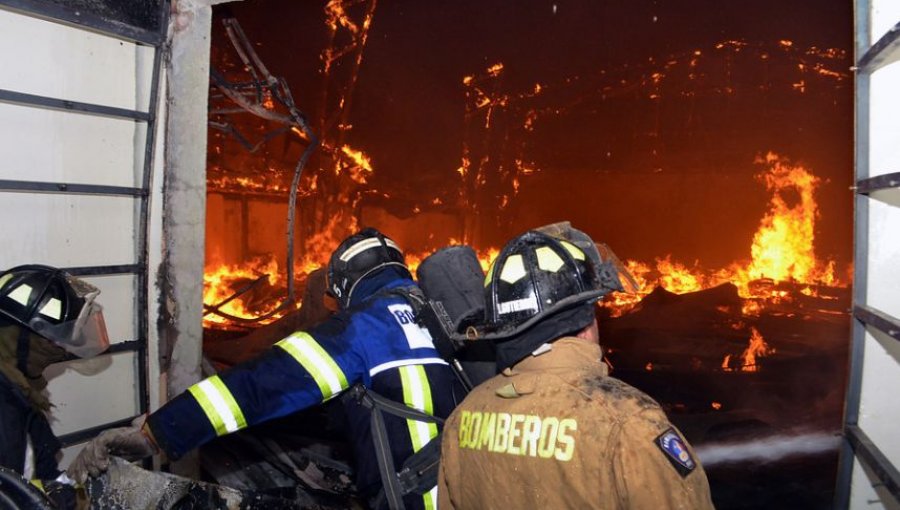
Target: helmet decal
53, 309
490, 273
572, 249
21, 294
548, 260
519, 305
513, 269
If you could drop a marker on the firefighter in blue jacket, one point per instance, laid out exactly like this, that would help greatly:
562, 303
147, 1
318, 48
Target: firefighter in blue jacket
373, 341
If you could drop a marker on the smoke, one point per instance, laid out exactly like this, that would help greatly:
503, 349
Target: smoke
767, 449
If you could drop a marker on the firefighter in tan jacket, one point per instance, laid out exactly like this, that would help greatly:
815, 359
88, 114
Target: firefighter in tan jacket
553, 430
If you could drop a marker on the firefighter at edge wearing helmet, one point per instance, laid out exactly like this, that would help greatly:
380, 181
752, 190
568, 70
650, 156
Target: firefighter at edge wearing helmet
553, 430
373, 340
46, 315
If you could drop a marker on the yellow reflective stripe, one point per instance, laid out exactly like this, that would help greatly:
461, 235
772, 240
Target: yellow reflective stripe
430, 498
39, 484
322, 367
219, 405
417, 394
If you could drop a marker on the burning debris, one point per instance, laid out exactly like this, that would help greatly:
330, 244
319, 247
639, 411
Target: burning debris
783, 250
757, 348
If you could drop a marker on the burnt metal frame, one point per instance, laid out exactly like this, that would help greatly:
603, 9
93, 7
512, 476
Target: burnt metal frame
248, 97
84, 21
856, 444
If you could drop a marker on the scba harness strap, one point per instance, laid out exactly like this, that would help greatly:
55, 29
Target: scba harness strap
437, 326
418, 473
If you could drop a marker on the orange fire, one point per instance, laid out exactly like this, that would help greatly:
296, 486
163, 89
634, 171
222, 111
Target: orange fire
221, 281
756, 348
782, 249
677, 278
356, 163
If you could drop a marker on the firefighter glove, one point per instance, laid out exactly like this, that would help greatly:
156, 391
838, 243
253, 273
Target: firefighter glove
131, 443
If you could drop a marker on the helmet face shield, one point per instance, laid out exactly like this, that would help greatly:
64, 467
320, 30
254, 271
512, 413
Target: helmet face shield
612, 273
86, 335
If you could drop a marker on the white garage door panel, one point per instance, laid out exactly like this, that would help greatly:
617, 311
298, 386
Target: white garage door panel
885, 14
66, 230
55, 146
47, 59
884, 130
881, 378
82, 401
883, 289
117, 297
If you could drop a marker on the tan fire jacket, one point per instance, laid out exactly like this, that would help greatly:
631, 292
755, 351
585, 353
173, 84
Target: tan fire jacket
558, 432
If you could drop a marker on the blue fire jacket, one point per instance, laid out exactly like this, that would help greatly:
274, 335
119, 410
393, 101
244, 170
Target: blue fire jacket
375, 342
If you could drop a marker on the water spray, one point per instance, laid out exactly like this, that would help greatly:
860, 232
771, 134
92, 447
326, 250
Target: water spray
767, 449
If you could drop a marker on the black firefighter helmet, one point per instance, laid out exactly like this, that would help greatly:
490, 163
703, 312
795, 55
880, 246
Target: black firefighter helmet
56, 306
357, 257
545, 271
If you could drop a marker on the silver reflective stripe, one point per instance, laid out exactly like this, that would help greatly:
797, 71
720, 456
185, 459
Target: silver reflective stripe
219, 405
403, 362
366, 244
430, 498
417, 394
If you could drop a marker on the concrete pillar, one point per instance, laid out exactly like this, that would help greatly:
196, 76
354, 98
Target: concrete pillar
184, 218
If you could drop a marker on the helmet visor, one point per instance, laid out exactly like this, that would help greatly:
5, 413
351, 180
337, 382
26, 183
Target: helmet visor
86, 335
612, 272
625, 279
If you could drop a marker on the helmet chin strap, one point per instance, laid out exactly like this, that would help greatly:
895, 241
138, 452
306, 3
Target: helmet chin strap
23, 347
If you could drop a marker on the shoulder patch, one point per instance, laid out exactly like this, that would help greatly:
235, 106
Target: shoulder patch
675, 450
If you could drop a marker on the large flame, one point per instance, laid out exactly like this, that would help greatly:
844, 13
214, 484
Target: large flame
783, 249
221, 281
783, 245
